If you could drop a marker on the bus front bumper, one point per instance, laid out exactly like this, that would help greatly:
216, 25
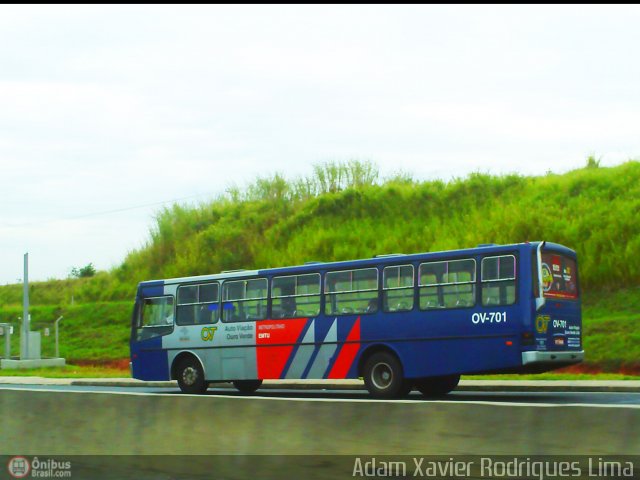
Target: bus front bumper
551, 357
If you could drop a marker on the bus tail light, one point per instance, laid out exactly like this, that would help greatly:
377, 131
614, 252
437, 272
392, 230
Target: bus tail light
527, 338
508, 343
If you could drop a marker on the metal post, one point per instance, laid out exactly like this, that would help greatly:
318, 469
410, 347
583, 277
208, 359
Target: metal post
57, 346
25, 310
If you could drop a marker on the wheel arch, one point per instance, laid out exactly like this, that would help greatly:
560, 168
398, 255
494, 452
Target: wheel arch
373, 349
181, 356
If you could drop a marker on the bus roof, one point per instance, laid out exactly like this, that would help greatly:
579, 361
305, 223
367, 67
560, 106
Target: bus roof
362, 263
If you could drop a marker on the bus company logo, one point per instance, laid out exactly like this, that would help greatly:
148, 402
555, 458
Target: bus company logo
542, 323
207, 333
19, 467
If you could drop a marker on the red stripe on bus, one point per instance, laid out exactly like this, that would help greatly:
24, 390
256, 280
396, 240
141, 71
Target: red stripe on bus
347, 353
271, 360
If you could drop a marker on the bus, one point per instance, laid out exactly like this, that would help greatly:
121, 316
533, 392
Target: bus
399, 321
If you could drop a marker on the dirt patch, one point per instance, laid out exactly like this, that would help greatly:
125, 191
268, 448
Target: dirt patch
630, 370
122, 364
582, 368
594, 368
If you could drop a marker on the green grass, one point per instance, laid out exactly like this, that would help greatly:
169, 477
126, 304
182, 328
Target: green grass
68, 371
97, 331
610, 328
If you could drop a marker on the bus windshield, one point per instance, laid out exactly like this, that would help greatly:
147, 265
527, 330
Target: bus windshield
559, 278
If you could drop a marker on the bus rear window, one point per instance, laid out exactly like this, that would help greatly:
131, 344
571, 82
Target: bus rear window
559, 276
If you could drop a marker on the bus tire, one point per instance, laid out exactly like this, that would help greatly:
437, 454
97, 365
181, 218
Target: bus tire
191, 377
383, 376
247, 386
437, 386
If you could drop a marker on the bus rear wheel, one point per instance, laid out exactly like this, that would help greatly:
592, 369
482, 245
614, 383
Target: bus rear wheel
247, 386
437, 386
190, 376
383, 376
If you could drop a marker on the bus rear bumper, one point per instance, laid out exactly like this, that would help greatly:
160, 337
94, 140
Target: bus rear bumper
552, 358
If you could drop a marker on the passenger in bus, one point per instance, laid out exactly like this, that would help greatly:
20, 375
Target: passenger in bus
288, 307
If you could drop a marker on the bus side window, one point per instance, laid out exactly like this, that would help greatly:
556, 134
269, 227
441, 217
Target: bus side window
498, 280
156, 317
295, 296
447, 284
197, 304
352, 291
397, 288
429, 276
244, 300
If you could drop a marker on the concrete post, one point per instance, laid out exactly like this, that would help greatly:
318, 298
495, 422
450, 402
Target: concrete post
6, 327
57, 344
7, 341
26, 327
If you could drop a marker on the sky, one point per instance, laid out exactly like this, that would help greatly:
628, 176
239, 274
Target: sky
109, 113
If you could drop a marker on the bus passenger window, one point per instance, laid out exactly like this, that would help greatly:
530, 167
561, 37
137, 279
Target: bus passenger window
295, 296
244, 300
397, 288
351, 292
447, 284
197, 304
498, 280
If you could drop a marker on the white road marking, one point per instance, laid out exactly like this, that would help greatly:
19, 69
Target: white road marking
337, 400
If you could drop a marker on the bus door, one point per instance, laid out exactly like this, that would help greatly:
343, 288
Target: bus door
153, 318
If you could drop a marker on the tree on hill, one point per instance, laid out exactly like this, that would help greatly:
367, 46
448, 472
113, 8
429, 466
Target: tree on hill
86, 271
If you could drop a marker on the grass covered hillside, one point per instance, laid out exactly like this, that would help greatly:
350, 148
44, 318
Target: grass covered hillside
593, 210
96, 332
346, 211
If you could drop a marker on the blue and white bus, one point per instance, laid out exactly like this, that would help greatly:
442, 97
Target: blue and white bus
398, 321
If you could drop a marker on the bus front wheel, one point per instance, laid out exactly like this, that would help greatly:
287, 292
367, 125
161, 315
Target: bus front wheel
383, 376
190, 376
247, 386
437, 386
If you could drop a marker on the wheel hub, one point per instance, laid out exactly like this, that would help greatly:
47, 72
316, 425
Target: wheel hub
189, 376
382, 376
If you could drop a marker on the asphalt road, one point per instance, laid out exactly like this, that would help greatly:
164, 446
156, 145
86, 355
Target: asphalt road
620, 399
